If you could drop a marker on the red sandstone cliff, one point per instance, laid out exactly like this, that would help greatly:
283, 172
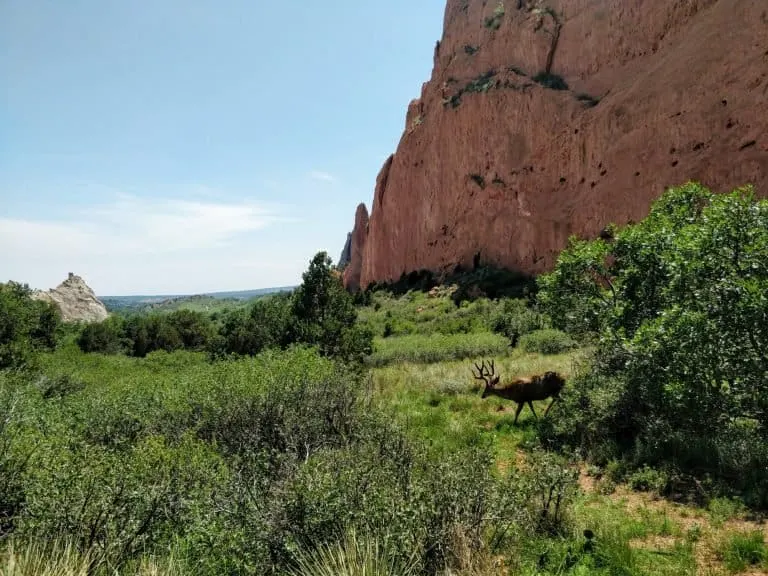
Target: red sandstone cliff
496, 160
353, 268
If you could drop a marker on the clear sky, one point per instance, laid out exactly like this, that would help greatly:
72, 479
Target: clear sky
187, 146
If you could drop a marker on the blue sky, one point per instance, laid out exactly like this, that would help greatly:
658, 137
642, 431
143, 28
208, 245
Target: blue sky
185, 146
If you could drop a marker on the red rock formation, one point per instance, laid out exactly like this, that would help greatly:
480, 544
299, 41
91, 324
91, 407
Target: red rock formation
353, 269
496, 163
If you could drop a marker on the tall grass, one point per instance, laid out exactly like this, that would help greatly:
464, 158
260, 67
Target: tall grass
436, 348
58, 558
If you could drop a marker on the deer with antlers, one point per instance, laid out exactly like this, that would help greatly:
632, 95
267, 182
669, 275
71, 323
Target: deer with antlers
522, 390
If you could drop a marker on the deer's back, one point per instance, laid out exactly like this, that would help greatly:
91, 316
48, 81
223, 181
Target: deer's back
525, 389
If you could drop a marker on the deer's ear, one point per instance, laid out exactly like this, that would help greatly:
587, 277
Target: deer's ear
494, 381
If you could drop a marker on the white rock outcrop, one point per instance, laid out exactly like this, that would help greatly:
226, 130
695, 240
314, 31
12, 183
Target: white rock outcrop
76, 301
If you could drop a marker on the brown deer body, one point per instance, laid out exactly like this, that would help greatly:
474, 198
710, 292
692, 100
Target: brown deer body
522, 390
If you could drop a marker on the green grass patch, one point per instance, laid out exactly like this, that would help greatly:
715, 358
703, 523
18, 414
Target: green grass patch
743, 550
436, 348
441, 401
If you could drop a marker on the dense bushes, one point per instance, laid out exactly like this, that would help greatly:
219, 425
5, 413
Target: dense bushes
319, 313
26, 325
140, 335
547, 342
680, 302
236, 466
516, 318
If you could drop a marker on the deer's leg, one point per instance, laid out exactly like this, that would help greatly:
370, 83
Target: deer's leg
532, 410
519, 409
548, 407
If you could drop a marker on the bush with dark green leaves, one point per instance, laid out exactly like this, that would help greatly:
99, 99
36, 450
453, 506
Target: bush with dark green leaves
106, 337
679, 302
266, 324
142, 334
516, 318
549, 341
26, 326
320, 313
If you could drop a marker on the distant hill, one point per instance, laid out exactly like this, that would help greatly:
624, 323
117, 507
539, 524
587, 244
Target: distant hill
205, 302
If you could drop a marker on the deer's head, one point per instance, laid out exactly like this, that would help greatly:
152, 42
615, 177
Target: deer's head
487, 375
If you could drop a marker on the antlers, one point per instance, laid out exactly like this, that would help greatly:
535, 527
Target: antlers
482, 375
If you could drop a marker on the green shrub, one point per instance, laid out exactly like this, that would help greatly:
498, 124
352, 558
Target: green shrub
494, 21
679, 302
106, 337
194, 328
648, 479
515, 319
266, 324
121, 503
547, 341
320, 312
26, 326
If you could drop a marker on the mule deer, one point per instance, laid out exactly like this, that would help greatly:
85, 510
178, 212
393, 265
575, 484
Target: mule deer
522, 390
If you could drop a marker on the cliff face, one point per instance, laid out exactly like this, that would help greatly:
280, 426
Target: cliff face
346, 253
548, 118
76, 301
356, 242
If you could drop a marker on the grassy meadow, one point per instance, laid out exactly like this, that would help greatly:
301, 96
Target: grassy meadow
174, 412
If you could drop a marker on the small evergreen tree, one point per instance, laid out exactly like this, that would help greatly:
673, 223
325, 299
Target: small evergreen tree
324, 313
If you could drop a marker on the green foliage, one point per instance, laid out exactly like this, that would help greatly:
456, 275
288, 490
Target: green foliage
319, 313
515, 319
119, 502
244, 466
480, 84
194, 328
545, 492
436, 348
265, 325
548, 341
744, 550
26, 326
494, 21
680, 304
55, 558
723, 509
419, 313
106, 337
648, 479
482, 281
353, 555
14, 455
